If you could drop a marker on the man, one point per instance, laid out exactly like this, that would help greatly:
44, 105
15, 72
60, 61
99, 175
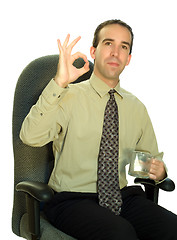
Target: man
72, 116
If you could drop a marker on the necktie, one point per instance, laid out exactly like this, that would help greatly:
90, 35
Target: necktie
108, 177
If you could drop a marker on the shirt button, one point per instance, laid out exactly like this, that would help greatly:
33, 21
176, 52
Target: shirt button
54, 94
41, 114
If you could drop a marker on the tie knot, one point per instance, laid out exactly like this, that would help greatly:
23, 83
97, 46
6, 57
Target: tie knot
111, 92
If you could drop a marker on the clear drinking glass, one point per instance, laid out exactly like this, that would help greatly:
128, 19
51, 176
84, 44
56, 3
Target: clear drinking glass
140, 164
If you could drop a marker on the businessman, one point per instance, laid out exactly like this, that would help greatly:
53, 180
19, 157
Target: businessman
92, 124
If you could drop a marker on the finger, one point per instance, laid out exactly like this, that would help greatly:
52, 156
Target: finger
156, 161
66, 40
153, 170
84, 69
59, 45
152, 176
79, 55
74, 42
86, 66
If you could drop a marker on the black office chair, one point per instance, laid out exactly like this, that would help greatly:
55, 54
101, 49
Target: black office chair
33, 166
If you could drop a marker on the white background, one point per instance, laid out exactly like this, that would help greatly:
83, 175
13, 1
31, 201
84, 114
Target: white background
29, 29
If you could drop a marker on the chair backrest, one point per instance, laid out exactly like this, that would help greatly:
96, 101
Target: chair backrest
32, 163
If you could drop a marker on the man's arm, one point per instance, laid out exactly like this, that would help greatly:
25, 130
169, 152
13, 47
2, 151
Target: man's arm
46, 118
148, 143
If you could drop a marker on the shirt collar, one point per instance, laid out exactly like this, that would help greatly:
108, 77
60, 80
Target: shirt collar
102, 88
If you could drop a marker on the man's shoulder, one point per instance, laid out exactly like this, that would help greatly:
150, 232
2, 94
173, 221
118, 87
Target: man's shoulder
79, 87
128, 94
131, 98
76, 91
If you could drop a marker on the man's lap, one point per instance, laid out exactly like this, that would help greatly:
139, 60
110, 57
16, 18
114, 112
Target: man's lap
79, 215
149, 220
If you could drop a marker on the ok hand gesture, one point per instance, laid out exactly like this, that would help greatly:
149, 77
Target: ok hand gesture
66, 72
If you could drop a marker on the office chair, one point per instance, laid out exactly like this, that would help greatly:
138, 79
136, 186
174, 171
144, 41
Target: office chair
33, 165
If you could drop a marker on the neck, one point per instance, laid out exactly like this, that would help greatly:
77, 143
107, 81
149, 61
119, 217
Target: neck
112, 83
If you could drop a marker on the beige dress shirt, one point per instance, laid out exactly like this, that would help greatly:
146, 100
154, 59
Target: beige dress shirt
73, 119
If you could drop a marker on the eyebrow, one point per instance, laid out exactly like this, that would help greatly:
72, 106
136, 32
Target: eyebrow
127, 43
112, 40
108, 39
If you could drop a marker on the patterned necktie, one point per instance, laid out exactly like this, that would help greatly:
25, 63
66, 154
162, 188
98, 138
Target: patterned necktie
108, 177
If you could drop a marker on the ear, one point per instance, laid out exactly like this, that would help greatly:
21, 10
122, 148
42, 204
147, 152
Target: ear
128, 60
92, 52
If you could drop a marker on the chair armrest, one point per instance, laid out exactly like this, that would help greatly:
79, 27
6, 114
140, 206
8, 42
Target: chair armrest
152, 188
40, 191
144, 181
36, 192
167, 185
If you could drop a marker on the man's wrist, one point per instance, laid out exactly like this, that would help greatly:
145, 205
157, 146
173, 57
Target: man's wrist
59, 83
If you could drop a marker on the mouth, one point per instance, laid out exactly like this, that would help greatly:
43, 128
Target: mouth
113, 64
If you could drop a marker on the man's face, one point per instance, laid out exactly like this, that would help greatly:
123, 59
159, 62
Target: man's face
112, 53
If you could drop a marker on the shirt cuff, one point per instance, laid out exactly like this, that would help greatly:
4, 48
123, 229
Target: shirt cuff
159, 156
53, 92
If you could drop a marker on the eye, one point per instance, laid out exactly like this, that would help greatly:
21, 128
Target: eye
124, 47
108, 43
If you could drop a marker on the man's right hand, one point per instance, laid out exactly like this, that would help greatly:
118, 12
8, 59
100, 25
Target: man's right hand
66, 72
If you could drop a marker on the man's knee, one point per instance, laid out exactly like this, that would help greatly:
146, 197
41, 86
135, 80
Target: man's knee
171, 227
119, 229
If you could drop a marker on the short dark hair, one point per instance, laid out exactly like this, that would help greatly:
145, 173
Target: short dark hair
110, 22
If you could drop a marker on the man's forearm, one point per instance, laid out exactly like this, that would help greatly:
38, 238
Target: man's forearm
41, 124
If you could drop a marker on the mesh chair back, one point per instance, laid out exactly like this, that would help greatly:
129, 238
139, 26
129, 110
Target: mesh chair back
30, 163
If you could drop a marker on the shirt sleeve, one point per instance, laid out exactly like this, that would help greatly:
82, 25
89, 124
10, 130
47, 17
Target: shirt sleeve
46, 118
147, 141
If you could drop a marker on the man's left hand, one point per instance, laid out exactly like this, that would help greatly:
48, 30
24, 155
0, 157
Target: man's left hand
157, 170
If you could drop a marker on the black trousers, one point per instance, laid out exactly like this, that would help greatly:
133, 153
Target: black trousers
79, 215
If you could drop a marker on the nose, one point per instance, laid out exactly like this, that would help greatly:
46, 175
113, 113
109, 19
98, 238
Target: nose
115, 52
